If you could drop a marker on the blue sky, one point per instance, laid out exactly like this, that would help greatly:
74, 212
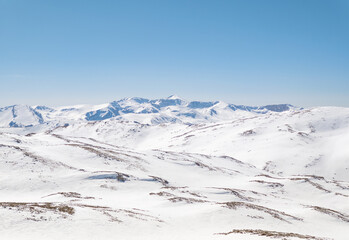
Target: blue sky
249, 52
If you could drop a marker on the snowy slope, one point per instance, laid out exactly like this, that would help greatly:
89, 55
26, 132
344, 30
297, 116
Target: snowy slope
274, 172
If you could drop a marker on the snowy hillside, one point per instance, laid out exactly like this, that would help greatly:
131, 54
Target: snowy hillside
173, 169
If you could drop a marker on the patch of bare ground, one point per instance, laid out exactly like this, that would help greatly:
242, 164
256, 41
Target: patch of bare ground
105, 153
248, 133
108, 187
163, 194
270, 184
237, 161
182, 190
341, 194
193, 158
160, 180
119, 151
273, 234
99, 153
268, 176
30, 134
121, 177
174, 188
110, 154
140, 216
202, 165
316, 185
331, 212
270, 166
289, 128
311, 180
239, 193
303, 134
69, 195
115, 214
56, 128
36, 158
255, 217
199, 127
186, 200
36, 208
314, 162
342, 185
192, 193
316, 177
272, 212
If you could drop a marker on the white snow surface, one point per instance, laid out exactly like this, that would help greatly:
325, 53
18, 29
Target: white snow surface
161, 175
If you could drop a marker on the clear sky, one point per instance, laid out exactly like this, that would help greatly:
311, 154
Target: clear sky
251, 52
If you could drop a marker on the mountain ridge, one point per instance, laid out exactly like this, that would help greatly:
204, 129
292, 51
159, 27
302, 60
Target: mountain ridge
155, 111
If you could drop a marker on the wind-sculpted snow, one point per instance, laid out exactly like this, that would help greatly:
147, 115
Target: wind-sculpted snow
277, 175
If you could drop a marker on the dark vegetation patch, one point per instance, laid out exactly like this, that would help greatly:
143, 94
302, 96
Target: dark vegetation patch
103, 152
36, 158
163, 194
114, 215
202, 165
98, 152
269, 184
270, 166
331, 212
38, 208
272, 234
193, 194
30, 134
289, 128
272, 212
239, 193
342, 185
341, 194
237, 161
307, 180
303, 134
255, 217
248, 133
311, 179
174, 188
186, 200
69, 195
164, 182
268, 176
121, 177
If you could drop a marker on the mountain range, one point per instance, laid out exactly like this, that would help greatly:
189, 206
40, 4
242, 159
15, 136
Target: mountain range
171, 109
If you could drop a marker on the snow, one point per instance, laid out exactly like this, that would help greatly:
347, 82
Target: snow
163, 175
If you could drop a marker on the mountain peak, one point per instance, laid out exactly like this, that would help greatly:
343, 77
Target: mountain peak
174, 97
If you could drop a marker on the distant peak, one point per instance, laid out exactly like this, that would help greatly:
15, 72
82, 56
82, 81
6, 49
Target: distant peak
174, 97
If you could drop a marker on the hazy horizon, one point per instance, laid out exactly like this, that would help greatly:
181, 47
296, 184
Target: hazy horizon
164, 97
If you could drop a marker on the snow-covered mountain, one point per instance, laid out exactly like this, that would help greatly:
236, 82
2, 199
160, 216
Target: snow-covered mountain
171, 109
19, 116
172, 169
